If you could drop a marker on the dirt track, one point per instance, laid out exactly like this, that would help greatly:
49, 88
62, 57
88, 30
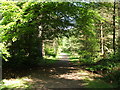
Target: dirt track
61, 75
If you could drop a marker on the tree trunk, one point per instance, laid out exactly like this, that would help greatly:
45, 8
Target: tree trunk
0, 66
114, 49
119, 27
41, 48
102, 41
54, 45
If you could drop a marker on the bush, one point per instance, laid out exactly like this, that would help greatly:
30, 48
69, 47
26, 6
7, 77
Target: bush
114, 77
50, 52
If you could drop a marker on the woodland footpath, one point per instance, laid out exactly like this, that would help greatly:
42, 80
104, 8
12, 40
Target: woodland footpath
52, 45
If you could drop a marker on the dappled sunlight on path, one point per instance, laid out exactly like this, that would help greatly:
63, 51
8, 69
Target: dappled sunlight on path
77, 75
61, 75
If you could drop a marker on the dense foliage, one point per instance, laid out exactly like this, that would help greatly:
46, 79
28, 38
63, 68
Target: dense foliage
32, 31
25, 25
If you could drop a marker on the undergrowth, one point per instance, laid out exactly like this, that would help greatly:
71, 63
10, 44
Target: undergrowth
109, 68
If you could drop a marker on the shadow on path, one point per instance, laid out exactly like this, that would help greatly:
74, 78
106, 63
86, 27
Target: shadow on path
62, 74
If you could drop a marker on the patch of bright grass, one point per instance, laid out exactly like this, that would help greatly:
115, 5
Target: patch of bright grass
16, 83
47, 62
98, 84
50, 57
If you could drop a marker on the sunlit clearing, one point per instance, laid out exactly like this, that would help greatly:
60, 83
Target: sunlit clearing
16, 83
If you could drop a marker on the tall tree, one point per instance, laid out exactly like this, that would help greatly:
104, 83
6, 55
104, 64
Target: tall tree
102, 38
114, 45
119, 26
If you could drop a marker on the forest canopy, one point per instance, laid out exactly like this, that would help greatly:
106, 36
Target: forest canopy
33, 33
25, 25
28, 23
